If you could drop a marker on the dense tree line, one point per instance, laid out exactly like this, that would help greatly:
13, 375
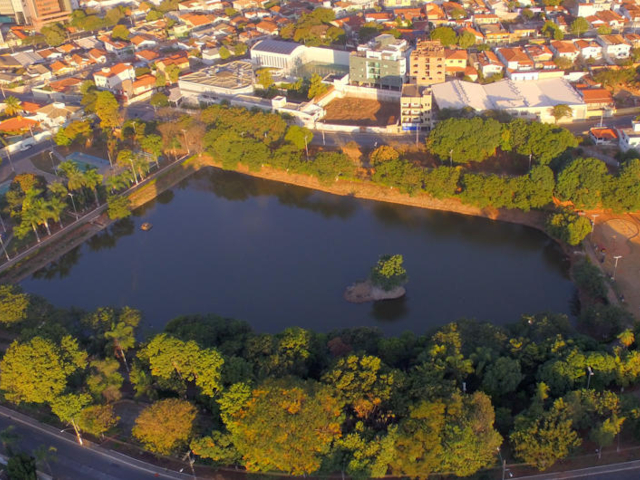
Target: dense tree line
350, 400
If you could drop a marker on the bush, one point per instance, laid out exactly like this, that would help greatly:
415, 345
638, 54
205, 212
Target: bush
389, 272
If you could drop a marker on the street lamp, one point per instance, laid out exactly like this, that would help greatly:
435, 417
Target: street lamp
55, 170
451, 157
589, 377
186, 144
10, 162
615, 266
593, 224
74, 205
306, 148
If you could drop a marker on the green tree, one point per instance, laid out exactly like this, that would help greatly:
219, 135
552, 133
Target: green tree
118, 207
161, 79
217, 447
21, 467
558, 112
589, 279
307, 412
580, 26
37, 371
622, 192
108, 110
68, 407
105, 381
159, 100
120, 32
169, 356
165, 426
97, 419
54, 34
552, 30
389, 272
465, 140
264, 78
239, 49
224, 53
92, 180
172, 73
383, 153
543, 439
446, 35
466, 40
299, 137
604, 30
329, 167
14, 304
502, 377
582, 182
316, 87
568, 227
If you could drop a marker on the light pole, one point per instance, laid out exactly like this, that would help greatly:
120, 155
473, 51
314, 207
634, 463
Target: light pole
306, 147
451, 157
186, 144
133, 170
4, 228
615, 266
73, 202
53, 165
589, 377
4, 249
10, 162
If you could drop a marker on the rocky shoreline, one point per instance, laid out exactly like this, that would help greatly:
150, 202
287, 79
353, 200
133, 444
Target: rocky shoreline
363, 292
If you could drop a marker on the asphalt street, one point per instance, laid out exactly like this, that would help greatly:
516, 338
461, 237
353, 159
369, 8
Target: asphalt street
75, 462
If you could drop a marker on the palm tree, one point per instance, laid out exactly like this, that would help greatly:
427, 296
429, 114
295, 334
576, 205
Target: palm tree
626, 338
74, 176
30, 217
56, 207
117, 182
122, 339
125, 159
42, 212
58, 189
92, 180
12, 106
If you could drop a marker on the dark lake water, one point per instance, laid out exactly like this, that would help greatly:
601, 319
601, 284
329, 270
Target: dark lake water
276, 256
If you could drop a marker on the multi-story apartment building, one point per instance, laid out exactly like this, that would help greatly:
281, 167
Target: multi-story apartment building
427, 63
415, 108
42, 12
382, 63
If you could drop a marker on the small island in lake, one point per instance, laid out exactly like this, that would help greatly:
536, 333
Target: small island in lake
384, 283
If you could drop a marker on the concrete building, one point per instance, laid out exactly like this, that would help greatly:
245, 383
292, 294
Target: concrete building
212, 83
427, 63
415, 108
286, 56
43, 12
533, 100
382, 63
629, 137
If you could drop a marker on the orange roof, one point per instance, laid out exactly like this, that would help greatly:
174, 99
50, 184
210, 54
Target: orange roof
30, 107
57, 66
144, 80
61, 85
147, 55
17, 124
596, 95
604, 133
455, 54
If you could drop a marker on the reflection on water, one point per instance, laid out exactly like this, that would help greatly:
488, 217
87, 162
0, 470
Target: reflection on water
278, 255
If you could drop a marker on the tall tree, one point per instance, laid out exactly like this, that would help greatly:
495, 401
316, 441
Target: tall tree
14, 304
37, 371
12, 106
108, 110
166, 426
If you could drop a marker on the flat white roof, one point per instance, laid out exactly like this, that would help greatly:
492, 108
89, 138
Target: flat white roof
506, 94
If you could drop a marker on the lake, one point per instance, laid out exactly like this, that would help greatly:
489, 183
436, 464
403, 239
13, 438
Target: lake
278, 255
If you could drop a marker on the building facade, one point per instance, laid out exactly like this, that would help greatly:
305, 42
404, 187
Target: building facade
381, 63
415, 108
427, 63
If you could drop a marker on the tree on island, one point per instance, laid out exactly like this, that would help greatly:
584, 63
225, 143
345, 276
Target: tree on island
389, 272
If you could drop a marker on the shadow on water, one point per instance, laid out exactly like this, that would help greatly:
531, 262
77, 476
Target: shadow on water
108, 238
61, 267
390, 310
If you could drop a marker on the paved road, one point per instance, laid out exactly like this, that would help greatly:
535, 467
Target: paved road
75, 462
618, 471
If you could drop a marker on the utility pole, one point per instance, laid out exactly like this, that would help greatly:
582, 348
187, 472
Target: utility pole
74, 205
451, 157
589, 378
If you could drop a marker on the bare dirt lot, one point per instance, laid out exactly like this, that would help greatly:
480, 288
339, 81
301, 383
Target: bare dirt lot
619, 236
360, 111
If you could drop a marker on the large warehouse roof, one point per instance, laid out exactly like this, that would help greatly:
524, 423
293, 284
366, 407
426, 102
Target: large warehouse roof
275, 46
506, 94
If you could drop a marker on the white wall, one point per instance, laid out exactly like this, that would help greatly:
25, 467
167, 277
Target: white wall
326, 55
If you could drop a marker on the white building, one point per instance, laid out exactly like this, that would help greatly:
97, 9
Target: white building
111, 78
526, 99
286, 56
614, 47
629, 137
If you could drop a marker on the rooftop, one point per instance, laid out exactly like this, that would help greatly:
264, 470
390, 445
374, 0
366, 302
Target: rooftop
232, 76
275, 46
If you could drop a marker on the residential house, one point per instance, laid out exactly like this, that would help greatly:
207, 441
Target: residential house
515, 58
267, 27
111, 78
589, 49
180, 59
144, 84
495, 34
143, 42
57, 114
489, 64
598, 100
629, 137
614, 47
118, 47
541, 56
146, 57
455, 61
564, 49
603, 136
97, 55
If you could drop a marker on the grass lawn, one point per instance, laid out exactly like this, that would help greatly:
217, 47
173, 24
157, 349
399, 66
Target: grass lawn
42, 161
